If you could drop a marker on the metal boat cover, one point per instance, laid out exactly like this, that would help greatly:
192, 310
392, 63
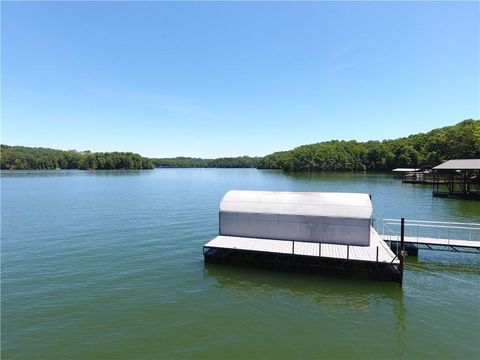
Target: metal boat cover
336, 218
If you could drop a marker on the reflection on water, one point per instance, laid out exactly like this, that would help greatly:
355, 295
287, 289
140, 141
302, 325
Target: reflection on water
335, 294
66, 173
441, 262
400, 315
469, 209
331, 290
322, 176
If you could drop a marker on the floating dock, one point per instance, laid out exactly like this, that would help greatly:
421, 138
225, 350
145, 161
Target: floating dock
378, 251
293, 230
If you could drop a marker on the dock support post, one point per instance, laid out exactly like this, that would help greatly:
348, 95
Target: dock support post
402, 248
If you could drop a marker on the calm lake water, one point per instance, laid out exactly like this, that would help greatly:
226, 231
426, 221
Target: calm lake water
109, 265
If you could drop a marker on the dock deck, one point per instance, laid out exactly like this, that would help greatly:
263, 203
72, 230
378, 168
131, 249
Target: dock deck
377, 251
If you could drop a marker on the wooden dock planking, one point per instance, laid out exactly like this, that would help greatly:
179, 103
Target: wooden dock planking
334, 251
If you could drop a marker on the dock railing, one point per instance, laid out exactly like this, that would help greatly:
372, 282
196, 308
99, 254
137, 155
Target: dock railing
418, 229
386, 232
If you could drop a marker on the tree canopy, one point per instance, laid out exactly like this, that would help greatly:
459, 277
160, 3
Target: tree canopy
460, 141
27, 158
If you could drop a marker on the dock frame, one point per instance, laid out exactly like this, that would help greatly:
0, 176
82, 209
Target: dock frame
377, 259
461, 183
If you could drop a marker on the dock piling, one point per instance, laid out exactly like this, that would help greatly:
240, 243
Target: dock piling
402, 248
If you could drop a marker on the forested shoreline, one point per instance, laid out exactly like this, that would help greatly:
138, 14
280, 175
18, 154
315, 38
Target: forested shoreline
27, 158
226, 162
452, 142
432, 148
460, 141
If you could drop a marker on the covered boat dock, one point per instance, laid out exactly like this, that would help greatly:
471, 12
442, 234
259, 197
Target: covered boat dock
302, 229
457, 178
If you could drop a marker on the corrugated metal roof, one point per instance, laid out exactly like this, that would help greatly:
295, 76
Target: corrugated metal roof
339, 205
460, 164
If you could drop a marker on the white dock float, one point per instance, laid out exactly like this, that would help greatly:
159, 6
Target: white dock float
302, 248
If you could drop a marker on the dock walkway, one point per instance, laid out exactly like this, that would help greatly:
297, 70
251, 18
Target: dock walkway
434, 242
449, 235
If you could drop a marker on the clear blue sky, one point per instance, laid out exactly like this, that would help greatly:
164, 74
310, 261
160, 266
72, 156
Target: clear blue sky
222, 79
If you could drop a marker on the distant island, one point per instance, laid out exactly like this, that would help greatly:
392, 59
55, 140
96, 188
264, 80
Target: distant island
451, 142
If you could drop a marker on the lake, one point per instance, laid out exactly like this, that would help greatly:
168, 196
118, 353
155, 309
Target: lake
109, 264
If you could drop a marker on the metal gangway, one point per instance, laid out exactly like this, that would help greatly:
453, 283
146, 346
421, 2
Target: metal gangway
432, 235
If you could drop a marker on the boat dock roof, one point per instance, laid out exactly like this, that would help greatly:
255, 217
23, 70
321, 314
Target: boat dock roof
405, 170
319, 204
459, 164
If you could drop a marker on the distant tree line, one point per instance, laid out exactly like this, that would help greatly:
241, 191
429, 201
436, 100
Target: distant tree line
27, 158
226, 162
452, 142
460, 141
